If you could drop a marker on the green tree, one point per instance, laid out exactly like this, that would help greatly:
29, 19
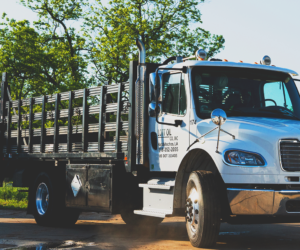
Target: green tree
47, 57
55, 22
20, 56
162, 25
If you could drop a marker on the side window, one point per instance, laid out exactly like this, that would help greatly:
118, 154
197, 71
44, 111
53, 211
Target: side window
173, 94
275, 94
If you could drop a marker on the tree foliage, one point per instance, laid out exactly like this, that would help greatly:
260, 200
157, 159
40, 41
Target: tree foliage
54, 20
44, 58
162, 25
20, 54
62, 52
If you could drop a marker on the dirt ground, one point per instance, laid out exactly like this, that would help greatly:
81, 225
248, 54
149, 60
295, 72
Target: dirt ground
102, 231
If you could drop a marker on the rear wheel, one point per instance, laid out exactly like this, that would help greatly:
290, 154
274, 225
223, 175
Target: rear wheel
202, 209
49, 209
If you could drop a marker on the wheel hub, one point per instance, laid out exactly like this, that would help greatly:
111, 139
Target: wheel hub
192, 210
42, 198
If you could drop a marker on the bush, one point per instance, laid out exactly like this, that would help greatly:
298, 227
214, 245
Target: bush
13, 204
10, 197
12, 193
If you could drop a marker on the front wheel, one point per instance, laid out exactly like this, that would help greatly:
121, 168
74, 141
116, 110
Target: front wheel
202, 209
49, 209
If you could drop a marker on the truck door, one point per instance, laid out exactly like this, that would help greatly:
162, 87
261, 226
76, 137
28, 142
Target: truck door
172, 141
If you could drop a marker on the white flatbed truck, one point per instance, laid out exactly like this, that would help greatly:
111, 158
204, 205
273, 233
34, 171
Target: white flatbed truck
211, 140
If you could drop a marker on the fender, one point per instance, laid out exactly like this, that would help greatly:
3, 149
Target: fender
195, 159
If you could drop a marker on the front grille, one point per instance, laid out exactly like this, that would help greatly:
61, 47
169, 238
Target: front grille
290, 155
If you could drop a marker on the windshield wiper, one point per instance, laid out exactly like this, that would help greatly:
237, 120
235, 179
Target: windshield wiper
284, 112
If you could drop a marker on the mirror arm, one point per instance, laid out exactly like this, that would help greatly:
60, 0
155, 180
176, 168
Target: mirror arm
219, 130
218, 117
233, 136
198, 139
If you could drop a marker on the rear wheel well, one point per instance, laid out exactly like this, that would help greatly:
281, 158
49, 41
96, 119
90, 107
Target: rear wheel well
30, 174
198, 159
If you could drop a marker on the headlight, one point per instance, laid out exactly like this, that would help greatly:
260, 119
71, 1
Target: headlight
237, 157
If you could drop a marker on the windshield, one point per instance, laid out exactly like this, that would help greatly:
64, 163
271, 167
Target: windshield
245, 92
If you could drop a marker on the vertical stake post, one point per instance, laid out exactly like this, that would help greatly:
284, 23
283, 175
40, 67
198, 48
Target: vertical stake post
3, 113
4, 98
56, 127
118, 120
69, 136
30, 125
8, 128
19, 127
43, 132
84, 120
101, 123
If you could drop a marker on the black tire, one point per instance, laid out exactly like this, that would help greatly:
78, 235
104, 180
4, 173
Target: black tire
54, 213
139, 220
203, 225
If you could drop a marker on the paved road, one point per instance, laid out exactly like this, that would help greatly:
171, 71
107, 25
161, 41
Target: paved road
102, 231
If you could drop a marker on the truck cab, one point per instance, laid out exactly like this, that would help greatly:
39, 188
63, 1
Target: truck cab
237, 121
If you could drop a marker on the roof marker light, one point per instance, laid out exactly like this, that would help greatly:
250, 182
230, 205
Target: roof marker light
266, 60
255, 63
225, 60
201, 54
241, 61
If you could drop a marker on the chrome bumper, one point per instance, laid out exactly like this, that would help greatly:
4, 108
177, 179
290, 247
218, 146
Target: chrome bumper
263, 202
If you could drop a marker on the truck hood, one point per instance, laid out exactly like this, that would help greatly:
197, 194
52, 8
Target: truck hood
268, 128
270, 123
252, 133
255, 125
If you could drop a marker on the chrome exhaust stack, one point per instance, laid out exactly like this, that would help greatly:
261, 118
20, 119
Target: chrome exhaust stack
140, 100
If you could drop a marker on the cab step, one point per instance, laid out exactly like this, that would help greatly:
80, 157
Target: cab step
157, 197
159, 214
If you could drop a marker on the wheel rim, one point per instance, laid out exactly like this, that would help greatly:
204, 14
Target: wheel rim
42, 198
192, 210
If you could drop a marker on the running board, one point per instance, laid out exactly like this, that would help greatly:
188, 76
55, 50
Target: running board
155, 186
158, 196
159, 214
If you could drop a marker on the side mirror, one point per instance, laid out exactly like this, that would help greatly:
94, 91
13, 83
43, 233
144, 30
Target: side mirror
218, 116
151, 109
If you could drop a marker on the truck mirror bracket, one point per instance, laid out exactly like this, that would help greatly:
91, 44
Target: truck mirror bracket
218, 117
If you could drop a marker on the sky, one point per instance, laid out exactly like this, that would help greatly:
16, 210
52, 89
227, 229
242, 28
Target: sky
251, 28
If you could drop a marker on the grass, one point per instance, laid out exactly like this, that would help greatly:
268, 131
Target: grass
11, 198
13, 204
